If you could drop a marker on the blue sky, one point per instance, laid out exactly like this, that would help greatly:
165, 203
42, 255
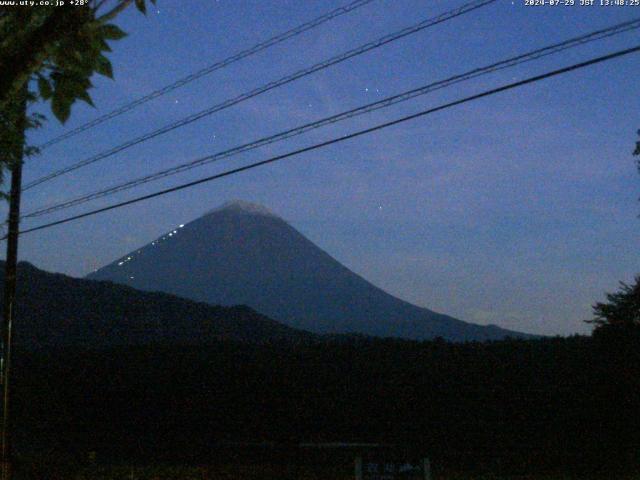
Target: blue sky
519, 209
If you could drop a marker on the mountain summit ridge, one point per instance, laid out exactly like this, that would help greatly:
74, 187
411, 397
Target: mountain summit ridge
242, 206
243, 254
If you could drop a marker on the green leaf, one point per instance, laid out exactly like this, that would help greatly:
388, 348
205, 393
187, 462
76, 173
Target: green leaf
141, 5
84, 96
67, 86
45, 88
77, 55
61, 107
31, 151
104, 46
103, 66
112, 32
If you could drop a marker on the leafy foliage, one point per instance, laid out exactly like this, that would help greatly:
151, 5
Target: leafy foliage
637, 152
54, 51
61, 49
515, 406
622, 309
13, 122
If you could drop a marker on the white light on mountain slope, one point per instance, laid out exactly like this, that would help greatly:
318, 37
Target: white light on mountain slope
243, 254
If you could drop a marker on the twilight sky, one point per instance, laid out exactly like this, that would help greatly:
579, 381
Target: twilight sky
519, 209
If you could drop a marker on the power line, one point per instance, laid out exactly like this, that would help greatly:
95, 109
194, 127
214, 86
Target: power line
210, 69
466, 8
359, 133
386, 102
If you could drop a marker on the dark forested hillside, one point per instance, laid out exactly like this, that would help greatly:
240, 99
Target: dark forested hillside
511, 406
149, 377
57, 310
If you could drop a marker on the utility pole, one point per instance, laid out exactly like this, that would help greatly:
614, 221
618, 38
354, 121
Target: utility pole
13, 155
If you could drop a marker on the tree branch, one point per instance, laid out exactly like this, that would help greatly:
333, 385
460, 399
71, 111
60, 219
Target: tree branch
114, 11
20, 63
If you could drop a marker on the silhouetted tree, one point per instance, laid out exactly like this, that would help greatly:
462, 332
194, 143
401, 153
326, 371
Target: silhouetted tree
61, 48
636, 152
57, 49
622, 309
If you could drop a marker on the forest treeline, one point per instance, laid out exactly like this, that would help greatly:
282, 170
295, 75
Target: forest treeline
512, 406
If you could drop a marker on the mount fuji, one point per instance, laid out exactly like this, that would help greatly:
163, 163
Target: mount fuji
243, 254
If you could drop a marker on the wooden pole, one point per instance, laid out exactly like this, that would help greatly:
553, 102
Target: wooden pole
13, 158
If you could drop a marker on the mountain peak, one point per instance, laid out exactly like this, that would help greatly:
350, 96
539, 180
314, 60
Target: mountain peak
243, 207
243, 254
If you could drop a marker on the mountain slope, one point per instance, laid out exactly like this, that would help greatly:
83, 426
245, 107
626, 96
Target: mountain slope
56, 310
243, 254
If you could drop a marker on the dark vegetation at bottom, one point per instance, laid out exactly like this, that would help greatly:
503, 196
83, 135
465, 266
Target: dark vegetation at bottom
512, 406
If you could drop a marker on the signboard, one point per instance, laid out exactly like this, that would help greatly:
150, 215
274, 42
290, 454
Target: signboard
377, 469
